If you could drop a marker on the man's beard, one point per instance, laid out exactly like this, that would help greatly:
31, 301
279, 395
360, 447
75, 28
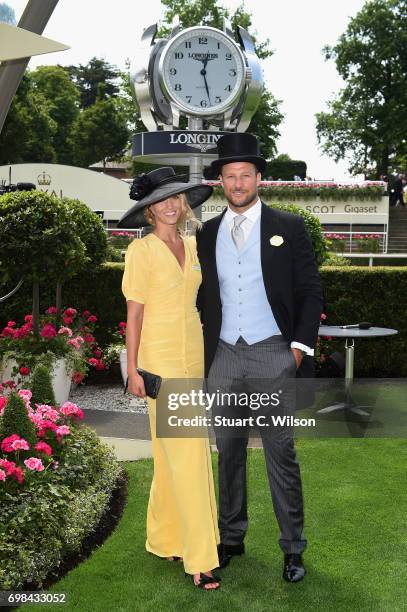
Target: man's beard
250, 198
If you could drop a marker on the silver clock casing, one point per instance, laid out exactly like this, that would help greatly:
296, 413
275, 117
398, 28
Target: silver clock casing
186, 35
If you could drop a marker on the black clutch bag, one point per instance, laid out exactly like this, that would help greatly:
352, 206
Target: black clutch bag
152, 383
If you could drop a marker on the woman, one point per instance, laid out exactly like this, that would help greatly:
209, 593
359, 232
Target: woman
164, 336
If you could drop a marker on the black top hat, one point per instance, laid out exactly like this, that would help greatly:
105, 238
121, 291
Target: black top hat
236, 147
156, 186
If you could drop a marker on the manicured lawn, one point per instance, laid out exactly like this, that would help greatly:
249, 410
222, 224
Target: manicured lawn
356, 525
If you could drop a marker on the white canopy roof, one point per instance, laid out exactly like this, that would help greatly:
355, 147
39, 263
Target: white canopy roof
16, 43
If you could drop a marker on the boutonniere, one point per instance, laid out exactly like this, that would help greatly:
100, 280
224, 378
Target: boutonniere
276, 240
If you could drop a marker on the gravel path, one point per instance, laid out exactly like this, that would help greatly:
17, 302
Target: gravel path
107, 397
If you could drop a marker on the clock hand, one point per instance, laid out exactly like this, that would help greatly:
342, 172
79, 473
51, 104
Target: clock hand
203, 72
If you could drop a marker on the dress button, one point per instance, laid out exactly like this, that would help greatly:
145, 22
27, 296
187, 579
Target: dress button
239, 289
239, 276
239, 262
240, 303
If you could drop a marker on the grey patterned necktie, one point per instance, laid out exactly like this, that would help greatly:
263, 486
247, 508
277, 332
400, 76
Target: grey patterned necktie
237, 231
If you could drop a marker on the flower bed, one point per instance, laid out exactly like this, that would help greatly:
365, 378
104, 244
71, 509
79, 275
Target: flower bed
72, 338
56, 481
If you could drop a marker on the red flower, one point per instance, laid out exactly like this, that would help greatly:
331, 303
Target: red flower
48, 331
8, 331
24, 371
89, 338
97, 352
43, 447
11, 324
18, 475
28, 318
7, 442
122, 324
92, 319
85, 314
78, 377
68, 320
51, 310
70, 312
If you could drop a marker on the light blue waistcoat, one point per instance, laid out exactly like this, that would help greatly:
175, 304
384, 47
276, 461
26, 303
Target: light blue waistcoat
246, 310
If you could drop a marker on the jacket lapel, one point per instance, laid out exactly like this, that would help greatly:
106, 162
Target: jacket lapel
269, 226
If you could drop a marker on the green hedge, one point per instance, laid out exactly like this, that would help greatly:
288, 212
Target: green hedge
48, 520
353, 294
285, 170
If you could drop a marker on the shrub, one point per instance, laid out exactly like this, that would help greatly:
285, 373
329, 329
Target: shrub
41, 386
15, 420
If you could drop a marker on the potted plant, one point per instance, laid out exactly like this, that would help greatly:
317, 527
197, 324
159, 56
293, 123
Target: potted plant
116, 351
67, 349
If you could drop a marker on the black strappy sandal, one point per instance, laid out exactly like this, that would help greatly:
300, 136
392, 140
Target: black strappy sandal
204, 579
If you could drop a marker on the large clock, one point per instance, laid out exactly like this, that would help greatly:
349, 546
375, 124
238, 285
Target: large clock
202, 71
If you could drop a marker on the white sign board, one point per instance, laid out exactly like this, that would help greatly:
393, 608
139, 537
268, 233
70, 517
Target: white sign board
99, 191
333, 211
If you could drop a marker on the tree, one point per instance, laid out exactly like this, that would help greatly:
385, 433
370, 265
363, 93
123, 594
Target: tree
268, 117
29, 129
62, 96
7, 14
367, 120
88, 78
100, 132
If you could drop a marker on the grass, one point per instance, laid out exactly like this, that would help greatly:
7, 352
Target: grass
356, 526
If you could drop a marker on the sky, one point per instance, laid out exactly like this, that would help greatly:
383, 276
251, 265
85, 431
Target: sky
297, 73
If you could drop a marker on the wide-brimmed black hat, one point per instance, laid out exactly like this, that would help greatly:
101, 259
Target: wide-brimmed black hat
156, 186
236, 147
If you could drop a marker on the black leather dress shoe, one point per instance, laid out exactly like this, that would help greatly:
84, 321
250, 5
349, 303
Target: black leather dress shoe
294, 569
227, 551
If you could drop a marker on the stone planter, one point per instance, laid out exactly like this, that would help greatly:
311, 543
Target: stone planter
123, 364
61, 380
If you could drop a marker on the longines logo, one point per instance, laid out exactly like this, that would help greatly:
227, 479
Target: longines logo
196, 141
203, 56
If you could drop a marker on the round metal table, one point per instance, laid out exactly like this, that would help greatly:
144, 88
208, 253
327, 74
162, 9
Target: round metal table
335, 331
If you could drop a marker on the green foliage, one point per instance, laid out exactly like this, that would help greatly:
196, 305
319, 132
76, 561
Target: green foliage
62, 102
29, 129
15, 420
265, 124
313, 226
41, 386
45, 522
100, 132
336, 260
285, 169
89, 228
39, 238
367, 120
304, 192
88, 77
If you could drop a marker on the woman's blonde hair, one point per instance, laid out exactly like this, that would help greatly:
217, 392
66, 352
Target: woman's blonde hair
187, 215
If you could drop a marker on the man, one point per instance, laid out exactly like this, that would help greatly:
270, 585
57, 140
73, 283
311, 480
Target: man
260, 303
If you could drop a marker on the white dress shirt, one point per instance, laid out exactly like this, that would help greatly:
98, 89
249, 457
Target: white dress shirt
252, 214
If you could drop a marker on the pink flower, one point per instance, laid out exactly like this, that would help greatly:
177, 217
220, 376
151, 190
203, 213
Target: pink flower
7, 442
11, 324
3, 403
86, 314
51, 310
34, 464
97, 352
8, 466
89, 338
71, 409
68, 320
24, 371
2, 475
62, 430
48, 331
323, 317
76, 342
20, 444
43, 447
122, 324
25, 394
48, 412
65, 330
28, 318
8, 332
92, 319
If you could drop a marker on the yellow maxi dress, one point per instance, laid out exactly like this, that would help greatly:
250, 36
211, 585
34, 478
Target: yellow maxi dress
181, 515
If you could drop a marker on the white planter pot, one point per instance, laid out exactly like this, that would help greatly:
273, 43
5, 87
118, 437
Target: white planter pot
123, 364
60, 379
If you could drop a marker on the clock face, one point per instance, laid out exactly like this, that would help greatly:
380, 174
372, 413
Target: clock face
202, 71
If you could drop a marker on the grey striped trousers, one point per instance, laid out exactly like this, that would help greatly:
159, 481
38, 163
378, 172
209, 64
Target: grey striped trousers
256, 368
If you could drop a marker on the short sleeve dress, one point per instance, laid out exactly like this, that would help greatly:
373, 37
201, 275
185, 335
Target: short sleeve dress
182, 514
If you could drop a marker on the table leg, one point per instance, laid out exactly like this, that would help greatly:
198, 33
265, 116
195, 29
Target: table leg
349, 404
